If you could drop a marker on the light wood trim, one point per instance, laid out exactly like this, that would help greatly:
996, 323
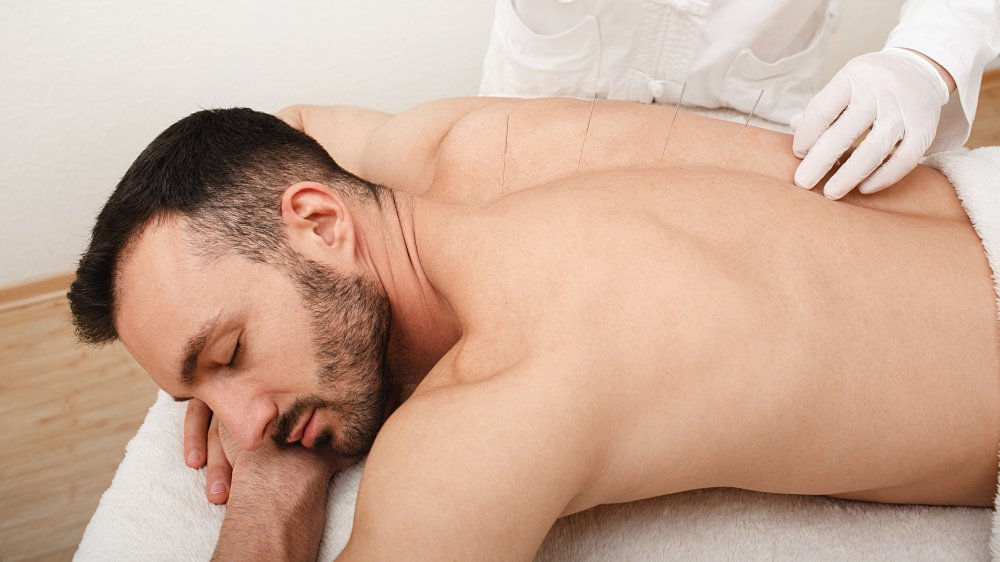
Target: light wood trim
23, 294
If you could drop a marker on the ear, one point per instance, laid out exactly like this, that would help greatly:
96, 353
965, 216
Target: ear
318, 222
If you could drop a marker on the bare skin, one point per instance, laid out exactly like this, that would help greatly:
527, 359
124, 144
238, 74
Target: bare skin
637, 329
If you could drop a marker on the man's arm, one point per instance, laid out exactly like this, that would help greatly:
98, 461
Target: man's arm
277, 505
398, 151
473, 472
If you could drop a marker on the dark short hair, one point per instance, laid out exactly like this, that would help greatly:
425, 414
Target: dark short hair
224, 171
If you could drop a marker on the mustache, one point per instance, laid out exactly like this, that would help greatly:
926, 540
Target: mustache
290, 418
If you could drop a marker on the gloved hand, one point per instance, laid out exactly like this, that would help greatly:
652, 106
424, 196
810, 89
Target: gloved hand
895, 92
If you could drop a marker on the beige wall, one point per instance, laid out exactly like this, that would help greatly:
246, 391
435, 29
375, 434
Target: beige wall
85, 85
863, 26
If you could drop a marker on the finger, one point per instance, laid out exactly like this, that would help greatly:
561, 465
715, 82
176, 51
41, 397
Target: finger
906, 157
219, 474
195, 427
833, 144
867, 158
793, 123
822, 110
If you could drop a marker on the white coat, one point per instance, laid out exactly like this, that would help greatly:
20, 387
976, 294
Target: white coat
726, 51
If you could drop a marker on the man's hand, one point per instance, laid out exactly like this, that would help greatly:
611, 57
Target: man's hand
278, 500
202, 447
897, 94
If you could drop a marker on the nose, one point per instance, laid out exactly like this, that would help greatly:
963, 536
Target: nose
246, 418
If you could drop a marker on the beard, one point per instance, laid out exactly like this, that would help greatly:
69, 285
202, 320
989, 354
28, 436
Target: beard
350, 319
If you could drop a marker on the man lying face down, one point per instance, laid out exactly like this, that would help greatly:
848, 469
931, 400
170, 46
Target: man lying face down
645, 326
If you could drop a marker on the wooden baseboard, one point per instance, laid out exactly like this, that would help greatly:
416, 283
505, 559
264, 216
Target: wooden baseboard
30, 292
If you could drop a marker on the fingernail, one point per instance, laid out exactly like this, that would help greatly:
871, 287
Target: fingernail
217, 487
193, 456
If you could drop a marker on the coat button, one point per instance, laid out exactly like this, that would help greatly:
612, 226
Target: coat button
656, 89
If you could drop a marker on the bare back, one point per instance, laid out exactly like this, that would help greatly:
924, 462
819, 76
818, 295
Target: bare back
818, 347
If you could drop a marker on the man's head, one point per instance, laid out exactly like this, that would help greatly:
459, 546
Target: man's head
230, 262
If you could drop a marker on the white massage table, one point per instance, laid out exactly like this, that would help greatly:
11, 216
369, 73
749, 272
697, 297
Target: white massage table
156, 510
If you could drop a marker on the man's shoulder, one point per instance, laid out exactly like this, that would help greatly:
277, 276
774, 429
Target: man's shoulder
495, 458
522, 403
469, 162
404, 152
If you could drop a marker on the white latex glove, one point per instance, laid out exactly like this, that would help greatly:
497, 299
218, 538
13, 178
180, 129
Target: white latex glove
895, 92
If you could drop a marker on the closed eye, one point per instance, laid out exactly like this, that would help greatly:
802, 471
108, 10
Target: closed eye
236, 354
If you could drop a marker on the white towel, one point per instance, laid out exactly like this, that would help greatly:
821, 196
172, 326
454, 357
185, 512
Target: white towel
155, 508
976, 177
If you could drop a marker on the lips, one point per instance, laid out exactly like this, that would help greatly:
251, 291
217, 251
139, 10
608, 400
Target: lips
301, 428
310, 430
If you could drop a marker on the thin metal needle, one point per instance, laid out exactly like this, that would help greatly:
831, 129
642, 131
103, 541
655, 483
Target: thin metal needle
503, 172
677, 109
745, 125
589, 117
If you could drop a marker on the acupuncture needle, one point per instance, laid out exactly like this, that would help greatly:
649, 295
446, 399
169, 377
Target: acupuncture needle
677, 109
587, 130
745, 125
503, 171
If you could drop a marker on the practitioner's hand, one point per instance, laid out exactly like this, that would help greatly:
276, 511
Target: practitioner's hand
897, 94
203, 448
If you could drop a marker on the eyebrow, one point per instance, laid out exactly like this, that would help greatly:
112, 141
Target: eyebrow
192, 351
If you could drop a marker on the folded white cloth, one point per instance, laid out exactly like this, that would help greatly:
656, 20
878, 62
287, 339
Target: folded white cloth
155, 508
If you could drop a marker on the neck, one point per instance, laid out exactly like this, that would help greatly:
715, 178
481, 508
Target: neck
424, 327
